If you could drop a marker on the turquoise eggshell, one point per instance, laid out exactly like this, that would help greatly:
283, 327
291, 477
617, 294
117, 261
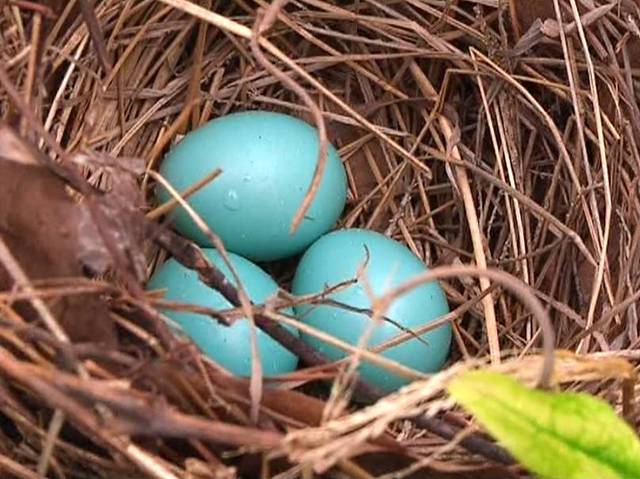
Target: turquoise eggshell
267, 161
228, 346
335, 258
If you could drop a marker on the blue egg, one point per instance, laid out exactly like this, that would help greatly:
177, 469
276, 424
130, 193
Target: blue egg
335, 258
267, 161
228, 346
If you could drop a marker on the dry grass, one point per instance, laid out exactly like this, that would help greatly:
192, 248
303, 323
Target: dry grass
470, 132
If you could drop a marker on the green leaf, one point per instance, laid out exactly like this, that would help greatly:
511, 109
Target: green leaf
555, 435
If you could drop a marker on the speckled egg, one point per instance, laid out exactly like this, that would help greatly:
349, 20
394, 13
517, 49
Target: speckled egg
267, 161
228, 346
335, 258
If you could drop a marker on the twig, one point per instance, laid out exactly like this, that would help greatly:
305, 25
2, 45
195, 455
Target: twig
507, 281
55, 426
472, 217
168, 206
602, 153
262, 24
89, 14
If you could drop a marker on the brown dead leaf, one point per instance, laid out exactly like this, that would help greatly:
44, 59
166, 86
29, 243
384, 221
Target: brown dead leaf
121, 204
525, 13
366, 167
52, 236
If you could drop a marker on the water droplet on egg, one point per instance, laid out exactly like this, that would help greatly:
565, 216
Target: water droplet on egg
231, 201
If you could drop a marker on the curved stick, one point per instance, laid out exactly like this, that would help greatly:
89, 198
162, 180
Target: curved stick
262, 24
508, 281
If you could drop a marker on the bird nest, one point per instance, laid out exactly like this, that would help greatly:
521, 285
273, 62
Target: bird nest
484, 135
